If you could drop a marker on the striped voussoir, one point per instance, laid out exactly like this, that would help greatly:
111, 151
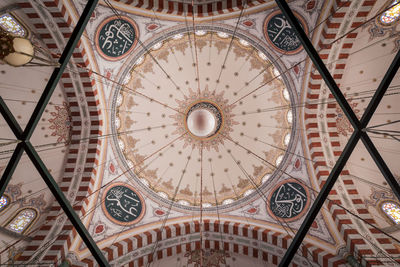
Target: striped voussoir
81, 94
200, 9
252, 239
354, 241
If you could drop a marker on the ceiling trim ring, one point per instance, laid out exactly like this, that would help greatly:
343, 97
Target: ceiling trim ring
138, 53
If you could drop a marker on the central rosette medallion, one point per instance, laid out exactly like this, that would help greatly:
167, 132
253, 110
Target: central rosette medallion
204, 119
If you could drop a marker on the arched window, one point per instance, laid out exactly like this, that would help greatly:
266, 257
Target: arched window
10, 23
392, 14
392, 210
22, 220
4, 202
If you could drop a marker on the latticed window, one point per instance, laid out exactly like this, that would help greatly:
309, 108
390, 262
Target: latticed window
10, 24
4, 202
392, 14
392, 210
22, 220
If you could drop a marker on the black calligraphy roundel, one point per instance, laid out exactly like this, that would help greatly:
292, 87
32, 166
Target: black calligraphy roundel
122, 204
280, 34
288, 200
116, 37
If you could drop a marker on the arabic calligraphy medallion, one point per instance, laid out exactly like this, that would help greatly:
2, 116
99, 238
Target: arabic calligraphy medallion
280, 34
122, 204
116, 37
289, 200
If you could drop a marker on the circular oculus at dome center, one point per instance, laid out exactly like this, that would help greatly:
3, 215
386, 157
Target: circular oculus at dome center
180, 130
203, 120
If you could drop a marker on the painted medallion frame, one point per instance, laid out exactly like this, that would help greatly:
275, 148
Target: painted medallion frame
272, 44
105, 210
100, 28
302, 212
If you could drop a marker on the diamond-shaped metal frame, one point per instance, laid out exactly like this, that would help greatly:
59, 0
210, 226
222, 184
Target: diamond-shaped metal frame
359, 132
24, 136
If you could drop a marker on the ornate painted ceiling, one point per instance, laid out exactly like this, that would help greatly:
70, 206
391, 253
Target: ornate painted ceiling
162, 108
202, 141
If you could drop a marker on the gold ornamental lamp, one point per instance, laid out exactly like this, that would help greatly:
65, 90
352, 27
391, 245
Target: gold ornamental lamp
15, 51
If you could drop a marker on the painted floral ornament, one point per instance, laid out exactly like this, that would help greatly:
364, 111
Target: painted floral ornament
204, 119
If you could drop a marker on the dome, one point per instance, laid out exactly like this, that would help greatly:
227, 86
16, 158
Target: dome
202, 124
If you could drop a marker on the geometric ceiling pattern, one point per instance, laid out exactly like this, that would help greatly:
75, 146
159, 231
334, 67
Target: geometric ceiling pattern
201, 133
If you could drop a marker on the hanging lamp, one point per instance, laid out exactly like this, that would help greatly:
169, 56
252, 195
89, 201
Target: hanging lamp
15, 51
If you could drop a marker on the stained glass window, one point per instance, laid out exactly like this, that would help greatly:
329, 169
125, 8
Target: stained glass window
4, 202
22, 220
392, 14
10, 24
392, 210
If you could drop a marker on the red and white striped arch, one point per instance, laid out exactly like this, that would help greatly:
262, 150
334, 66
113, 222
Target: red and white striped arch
81, 94
135, 249
314, 119
201, 8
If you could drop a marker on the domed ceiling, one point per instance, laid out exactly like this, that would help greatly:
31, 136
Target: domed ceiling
201, 110
208, 134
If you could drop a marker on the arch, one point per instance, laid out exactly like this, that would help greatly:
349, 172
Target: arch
315, 143
204, 8
12, 25
392, 210
391, 15
250, 240
22, 220
82, 91
4, 202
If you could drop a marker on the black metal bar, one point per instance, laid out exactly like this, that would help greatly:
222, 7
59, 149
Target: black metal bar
25, 135
380, 91
357, 125
318, 63
369, 111
10, 119
369, 145
65, 205
320, 199
56, 75
12, 164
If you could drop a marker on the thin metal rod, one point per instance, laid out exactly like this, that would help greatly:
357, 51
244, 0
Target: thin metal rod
383, 124
384, 135
10, 119
397, 133
380, 92
196, 55
369, 145
11, 166
201, 205
371, 108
